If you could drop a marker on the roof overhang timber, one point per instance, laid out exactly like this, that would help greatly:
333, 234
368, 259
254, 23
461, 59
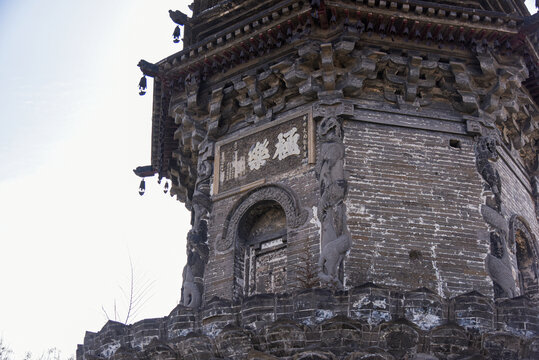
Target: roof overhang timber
428, 24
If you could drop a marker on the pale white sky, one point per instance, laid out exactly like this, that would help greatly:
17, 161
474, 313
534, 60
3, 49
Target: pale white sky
73, 128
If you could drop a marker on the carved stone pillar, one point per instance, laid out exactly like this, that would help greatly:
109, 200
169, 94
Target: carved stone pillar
335, 236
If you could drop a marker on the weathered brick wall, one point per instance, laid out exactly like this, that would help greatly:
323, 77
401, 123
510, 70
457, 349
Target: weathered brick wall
516, 190
413, 210
219, 275
413, 207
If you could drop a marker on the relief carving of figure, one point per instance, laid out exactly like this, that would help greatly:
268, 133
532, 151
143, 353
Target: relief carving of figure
197, 248
193, 272
486, 154
191, 295
498, 265
336, 240
201, 195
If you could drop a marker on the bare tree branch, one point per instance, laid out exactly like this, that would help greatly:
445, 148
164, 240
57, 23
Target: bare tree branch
5, 351
135, 297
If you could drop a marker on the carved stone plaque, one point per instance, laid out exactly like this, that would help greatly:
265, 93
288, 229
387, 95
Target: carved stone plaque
267, 150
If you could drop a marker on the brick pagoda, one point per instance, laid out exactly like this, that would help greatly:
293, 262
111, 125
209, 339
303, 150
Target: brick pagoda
363, 179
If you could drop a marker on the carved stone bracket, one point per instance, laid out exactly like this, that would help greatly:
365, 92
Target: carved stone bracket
486, 91
464, 85
295, 214
215, 112
191, 88
337, 107
255, 95
496, 94
328, 74
415, 76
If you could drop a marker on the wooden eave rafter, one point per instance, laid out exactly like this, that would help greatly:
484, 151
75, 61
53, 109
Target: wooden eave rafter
529, 32
449, 20
428, 23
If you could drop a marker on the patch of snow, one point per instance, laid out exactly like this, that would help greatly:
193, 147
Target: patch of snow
374, 316
424, 320
183, 332
362, 302
322, 315
469, 323
111, 349
378, 317
521, 332
316, 221
212, 330
439, 280
380, 304
375, 256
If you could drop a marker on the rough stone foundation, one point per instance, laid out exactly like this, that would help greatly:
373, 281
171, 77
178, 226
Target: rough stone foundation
386, 323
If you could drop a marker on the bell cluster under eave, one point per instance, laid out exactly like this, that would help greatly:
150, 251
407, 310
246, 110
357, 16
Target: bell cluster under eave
443, 25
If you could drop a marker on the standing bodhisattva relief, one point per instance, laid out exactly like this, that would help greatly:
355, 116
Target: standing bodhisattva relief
201, 195
335, 235
197, 248
193, 272
498, 262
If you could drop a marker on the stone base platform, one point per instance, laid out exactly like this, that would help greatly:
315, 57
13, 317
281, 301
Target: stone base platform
366, 322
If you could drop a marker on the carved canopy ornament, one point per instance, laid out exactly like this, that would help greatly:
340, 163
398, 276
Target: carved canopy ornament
523, 245
295, 214
516, 224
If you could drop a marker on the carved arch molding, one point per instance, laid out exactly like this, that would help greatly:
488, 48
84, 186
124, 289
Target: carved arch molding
523, 245
295, 215
518, 223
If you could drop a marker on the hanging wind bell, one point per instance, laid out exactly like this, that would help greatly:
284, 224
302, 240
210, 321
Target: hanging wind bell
142, 85
165, 189
142, 187
176, 34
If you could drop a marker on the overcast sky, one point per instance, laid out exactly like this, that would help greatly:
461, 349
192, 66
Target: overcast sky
73, 128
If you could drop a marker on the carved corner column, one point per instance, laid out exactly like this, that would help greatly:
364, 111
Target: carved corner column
197, 238
335, 235
499, 262
535, 193
199, 138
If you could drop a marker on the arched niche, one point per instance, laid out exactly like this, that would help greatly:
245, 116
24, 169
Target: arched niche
261, 257
295, 215
257, 231
524, 247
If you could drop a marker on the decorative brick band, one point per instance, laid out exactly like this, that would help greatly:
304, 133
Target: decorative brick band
389, 323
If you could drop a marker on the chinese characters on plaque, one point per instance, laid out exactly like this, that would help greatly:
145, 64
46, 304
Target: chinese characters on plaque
269, 150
